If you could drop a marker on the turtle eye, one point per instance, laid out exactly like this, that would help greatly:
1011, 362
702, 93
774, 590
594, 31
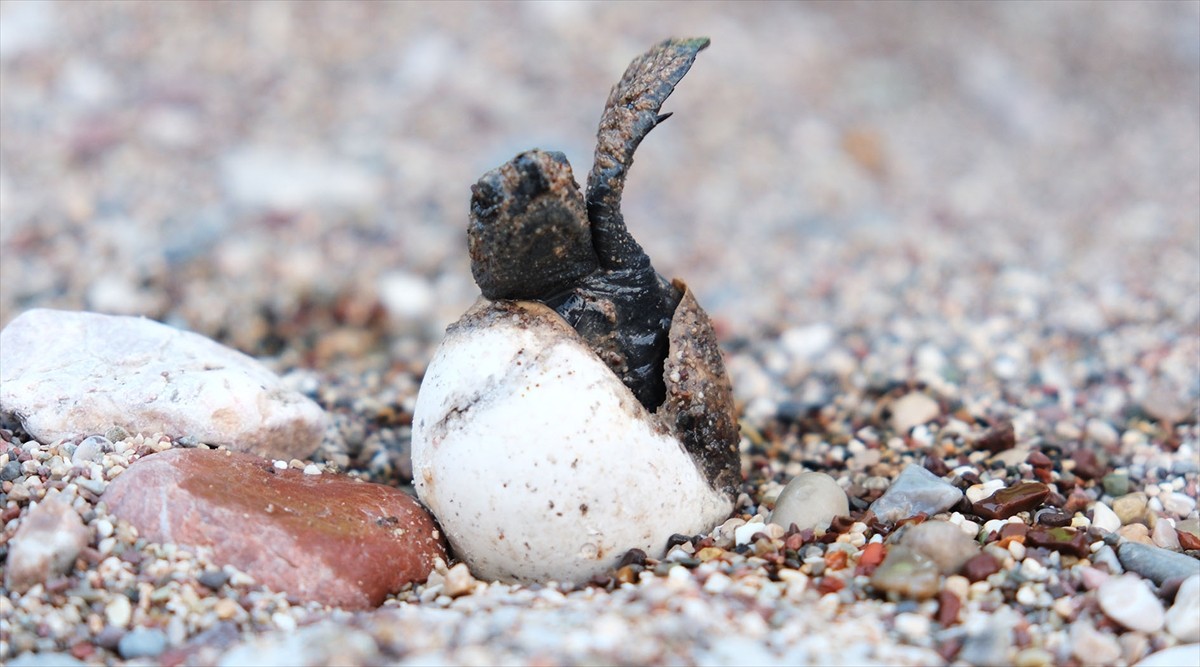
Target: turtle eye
485, 199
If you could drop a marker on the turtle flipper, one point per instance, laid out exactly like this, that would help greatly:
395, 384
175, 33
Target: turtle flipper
631, 112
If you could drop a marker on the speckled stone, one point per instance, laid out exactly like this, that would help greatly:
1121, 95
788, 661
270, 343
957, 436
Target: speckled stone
45, 545
1127, 600
346, 543
915, 490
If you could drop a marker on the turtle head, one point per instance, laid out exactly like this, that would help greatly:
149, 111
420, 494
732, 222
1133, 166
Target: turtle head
529, 235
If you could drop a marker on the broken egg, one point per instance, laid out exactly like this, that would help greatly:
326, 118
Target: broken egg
581, 407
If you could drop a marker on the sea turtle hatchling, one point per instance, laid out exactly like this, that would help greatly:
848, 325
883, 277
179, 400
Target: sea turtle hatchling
581, 407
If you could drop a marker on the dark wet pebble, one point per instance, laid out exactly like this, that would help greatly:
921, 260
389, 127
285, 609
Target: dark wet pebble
1156, 564
998, 438
1007, 502
1063, 540
1053, 517
1039, 460
1087, 465
948, 607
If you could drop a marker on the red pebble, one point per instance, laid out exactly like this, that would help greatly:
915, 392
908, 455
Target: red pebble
1188, 541
872, 556
948, 608
830, 585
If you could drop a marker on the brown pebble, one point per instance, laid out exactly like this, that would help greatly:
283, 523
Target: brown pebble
980, 567
1039, 460
1087, 465
1064, 540
1007, 502
998, 438
1188, 541
1053, 517
347, 543
936, 465
1078, 501
948, 607
1014, 530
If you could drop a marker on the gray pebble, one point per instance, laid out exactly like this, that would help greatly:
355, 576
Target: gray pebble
915, 490
10, 471
142, 643
1156, 564
810, 500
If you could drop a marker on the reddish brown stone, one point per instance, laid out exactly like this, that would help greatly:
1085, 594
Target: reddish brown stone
1063, 540
980, 567
998, 438
1017, 498
325, 538
1087, 465
1039, 460
948, 607
1188, 541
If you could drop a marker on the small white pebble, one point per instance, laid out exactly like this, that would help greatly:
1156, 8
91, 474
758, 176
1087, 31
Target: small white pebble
1026, 595
978, 492
1017, 550
312, 469
912, 626
1104, 518
280, 465
104, 528
745, 533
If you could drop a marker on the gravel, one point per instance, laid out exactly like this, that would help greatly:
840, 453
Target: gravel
989, 207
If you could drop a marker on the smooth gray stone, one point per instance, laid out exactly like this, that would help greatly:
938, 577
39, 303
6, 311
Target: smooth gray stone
45, 660
142, 643
1156, 564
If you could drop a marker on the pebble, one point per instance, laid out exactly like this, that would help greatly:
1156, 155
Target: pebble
1004, 503
810, 500
1104, 518
915, 490
1127, 600
942, 542
91, 449
142, 643
1064, 540
45, 660
744, 534
1183, 618
906, 573
458, 581
1092, 647
1178, 504
146, 377
1164, 535
1102, 433
913, 409
1156, 564
118, 612
348, 543
1116, 484
1130, 508
45, 545
977, 492
1176, 656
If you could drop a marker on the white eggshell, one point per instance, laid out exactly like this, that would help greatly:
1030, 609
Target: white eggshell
537, 461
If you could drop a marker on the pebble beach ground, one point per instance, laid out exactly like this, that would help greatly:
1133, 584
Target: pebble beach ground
959, 240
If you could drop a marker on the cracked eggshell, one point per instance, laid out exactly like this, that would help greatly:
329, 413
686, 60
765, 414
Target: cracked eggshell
537, 461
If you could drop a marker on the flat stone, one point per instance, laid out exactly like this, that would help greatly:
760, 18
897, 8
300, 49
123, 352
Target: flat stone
1183, 618
1063, 540
913, 409
942, 542
1020, 497
906, 573
1127, 600
980, 567
326, 538
73, 374
810, 500
45, 545
915, 490
1164, 535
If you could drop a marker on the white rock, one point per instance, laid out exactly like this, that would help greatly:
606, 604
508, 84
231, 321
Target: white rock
118, 612
1102, 432
405, 296
46, 544
810, 500
1127, 600
1179, 504
1163, 535
913, 409
1104, 518
744, 533
71, 374
1183, 618
1176, 656
528, 481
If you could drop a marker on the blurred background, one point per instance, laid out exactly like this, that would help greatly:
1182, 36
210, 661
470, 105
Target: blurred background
292, 178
